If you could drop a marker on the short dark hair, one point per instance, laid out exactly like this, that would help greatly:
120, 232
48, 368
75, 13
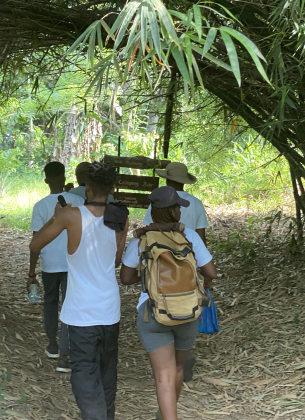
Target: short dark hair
81, 172
54, 169
101, 178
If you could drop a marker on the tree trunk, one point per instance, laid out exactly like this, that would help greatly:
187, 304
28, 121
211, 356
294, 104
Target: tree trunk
169, 114
70, 138
298, 206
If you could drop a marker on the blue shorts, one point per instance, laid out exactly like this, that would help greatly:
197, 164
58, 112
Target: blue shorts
155, 335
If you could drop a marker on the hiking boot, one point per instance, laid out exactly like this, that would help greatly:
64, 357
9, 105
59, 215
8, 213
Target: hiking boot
52, 352
63, 364
158, 415
188, 368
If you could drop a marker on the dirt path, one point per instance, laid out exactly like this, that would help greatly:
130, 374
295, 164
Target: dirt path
253, 369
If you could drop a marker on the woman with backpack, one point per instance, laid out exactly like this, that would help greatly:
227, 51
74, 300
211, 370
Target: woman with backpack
172, 298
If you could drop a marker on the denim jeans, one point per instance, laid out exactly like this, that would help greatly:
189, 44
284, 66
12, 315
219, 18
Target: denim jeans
94, 355
52, 282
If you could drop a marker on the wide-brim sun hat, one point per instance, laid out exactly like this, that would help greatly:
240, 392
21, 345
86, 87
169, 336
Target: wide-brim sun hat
166, 197
176, 171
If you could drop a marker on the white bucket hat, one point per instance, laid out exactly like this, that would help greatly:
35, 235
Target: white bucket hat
176, 171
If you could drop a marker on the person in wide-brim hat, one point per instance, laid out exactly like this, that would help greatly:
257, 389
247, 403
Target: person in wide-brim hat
176, 171
194, 217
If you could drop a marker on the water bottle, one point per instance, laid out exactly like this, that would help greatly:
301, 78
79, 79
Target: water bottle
34, 293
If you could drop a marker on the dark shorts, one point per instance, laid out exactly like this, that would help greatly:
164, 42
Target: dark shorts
155, 335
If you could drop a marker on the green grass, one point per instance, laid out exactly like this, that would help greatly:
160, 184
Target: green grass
17, 204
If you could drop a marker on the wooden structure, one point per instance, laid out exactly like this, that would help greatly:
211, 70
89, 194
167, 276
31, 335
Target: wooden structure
134, 182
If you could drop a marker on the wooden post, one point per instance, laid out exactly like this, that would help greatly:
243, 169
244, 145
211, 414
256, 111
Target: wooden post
169, 113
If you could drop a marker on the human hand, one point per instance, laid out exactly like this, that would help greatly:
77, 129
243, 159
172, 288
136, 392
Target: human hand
31, 280
59, 209
69, 186
208, 282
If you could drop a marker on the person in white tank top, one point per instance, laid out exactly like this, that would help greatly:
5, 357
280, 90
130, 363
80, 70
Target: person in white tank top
92, 305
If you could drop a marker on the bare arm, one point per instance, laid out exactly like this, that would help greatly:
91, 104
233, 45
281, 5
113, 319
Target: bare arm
33, 262
121, 240
201, 233
51, 229
129, 275
209, 272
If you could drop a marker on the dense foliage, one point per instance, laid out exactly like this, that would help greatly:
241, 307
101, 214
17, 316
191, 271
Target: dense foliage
142, 62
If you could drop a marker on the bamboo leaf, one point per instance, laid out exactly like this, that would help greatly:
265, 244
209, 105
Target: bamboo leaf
212, 58
179, 15
82, 39
120, 18
197, 71
166, 19
126, 22
178, 56
165, 61
188, 50
252, 50
198, 19
220, 14
99, 74
107, 29
91, 47
196, 39
189, 18
150, 54
154, 29
232, 55
132, 32
192, 84
209, 41
117, 66
246, 42
99, 37
144, 11
133, 56
218, 62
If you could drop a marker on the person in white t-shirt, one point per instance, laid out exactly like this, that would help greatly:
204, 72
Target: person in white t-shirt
92, 304
53, 263
167, 346
193, 217
81, 175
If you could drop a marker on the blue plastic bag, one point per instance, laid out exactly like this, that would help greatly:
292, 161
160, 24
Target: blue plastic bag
208, 322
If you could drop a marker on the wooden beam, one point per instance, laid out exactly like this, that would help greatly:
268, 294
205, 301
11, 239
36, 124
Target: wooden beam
136, 162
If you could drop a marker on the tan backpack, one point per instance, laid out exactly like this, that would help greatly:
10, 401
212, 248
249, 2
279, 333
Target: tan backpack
169, 275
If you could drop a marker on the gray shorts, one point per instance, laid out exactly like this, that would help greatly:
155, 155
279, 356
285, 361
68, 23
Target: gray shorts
155, 335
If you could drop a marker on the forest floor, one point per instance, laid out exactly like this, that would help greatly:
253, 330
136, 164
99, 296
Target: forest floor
254, 368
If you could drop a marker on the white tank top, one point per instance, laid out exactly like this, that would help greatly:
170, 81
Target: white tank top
92, 293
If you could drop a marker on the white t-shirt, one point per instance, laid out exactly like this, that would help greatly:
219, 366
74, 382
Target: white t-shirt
193, 216
92, 296
53, 256
81, 192
202, 255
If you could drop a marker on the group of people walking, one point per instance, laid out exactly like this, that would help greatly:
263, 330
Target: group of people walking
81, 244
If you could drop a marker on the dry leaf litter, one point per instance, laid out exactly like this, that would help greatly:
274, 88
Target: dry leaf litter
254, 368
